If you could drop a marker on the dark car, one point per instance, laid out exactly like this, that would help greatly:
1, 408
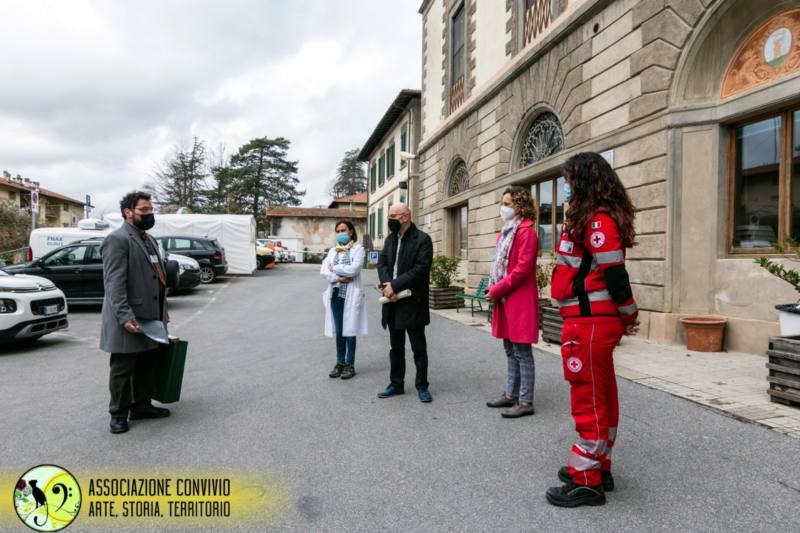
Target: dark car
207, 252
77, 269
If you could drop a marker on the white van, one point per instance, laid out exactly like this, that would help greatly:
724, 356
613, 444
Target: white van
45, 240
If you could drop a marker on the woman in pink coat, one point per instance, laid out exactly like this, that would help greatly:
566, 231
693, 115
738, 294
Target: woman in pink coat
515, 298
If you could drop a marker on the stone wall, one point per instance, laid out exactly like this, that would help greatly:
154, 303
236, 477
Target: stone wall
608, 81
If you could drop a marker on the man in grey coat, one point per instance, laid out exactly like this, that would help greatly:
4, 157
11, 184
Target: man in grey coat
134, 276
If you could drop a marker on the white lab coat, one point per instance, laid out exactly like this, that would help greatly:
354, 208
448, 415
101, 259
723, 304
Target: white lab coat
355, 308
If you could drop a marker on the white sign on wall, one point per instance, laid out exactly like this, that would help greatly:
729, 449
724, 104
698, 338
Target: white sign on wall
34, 201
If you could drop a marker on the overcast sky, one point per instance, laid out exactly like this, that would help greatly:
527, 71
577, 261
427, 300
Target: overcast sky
95, 94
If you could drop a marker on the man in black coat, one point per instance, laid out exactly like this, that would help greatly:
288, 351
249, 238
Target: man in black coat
405, 263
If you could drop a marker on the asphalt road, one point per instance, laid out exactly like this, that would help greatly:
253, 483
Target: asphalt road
257, 399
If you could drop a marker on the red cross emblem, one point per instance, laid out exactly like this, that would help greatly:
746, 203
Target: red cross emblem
597, 239
574, 364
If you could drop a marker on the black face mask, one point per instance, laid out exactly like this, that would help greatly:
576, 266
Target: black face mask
394, 225
145, 222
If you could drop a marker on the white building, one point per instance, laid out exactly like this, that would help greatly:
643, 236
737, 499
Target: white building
392, 178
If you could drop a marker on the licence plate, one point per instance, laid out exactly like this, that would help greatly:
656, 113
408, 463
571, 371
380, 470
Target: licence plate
51, 309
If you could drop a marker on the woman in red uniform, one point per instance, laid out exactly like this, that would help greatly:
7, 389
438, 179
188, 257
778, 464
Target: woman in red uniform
595, 299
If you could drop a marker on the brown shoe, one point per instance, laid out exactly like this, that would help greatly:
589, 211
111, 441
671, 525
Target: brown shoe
348, 372
521, 409
337, 371
502, 401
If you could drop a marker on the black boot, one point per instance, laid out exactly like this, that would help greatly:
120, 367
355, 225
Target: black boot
572, 495
119, 424
605, 477
337, 371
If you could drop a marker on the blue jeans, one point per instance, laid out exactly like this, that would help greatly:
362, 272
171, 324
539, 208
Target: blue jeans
345, 346
521, 371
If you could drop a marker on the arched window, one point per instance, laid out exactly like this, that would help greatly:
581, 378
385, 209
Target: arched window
544, 138
459, 179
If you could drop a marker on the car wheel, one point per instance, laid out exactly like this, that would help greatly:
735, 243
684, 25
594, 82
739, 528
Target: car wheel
262, 264
207, 274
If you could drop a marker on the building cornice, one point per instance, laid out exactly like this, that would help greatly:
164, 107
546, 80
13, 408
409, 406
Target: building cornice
390, 118
424, 7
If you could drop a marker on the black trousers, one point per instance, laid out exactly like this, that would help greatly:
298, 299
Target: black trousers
130, 381
397, 356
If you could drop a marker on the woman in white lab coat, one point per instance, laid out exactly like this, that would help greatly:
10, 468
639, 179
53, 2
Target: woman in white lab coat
345, 309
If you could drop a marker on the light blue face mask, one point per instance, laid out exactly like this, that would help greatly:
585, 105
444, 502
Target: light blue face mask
567, 192
343, 238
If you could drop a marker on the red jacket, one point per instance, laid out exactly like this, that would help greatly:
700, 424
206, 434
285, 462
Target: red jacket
517, 317
590, 277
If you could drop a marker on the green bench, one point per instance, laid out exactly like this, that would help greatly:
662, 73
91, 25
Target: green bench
479, 297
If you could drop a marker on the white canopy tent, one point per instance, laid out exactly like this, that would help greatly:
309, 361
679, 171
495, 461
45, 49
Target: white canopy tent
235, 233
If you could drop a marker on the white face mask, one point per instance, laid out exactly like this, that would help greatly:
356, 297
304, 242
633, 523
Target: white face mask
506, 212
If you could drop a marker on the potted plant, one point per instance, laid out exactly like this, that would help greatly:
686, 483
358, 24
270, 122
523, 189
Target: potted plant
549, 316
443, 274
788, 314
784, 351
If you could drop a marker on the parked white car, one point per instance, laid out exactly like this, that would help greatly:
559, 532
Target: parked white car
30, 307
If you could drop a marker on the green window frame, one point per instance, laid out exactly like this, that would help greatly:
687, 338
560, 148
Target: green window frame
403, 144
372, 225
382, 169
390, 161
380, 223
372, 175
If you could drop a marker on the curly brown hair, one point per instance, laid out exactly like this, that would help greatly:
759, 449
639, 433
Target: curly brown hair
596, 187
522, 202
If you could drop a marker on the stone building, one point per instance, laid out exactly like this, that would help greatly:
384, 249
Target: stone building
695, 102
392, 178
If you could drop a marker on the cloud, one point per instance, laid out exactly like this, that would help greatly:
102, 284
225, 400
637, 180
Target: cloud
95, 94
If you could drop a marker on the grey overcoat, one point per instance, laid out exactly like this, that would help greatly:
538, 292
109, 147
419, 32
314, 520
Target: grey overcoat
132, 290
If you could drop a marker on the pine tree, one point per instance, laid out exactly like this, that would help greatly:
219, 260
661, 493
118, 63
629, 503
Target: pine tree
263, 177
351, 177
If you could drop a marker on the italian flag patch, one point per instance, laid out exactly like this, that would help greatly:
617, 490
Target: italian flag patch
596, 225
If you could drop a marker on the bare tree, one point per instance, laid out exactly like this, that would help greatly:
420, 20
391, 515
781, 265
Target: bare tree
181, 179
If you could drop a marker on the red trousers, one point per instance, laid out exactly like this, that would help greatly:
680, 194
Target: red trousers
587, 352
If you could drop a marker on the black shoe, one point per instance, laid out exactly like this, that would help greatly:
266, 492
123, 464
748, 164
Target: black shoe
119, 424
572, 495
337, 371
348, 372
606, 478
149, 411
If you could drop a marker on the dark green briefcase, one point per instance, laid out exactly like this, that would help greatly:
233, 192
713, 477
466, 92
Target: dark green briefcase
169, 371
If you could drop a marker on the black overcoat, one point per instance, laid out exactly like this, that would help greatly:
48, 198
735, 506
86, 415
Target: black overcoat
413, 272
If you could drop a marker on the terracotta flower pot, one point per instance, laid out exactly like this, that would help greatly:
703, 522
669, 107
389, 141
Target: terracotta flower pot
704, 333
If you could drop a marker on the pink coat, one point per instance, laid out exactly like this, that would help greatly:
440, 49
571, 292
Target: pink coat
517, 318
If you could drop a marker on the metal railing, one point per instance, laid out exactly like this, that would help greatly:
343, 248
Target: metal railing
12, 257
